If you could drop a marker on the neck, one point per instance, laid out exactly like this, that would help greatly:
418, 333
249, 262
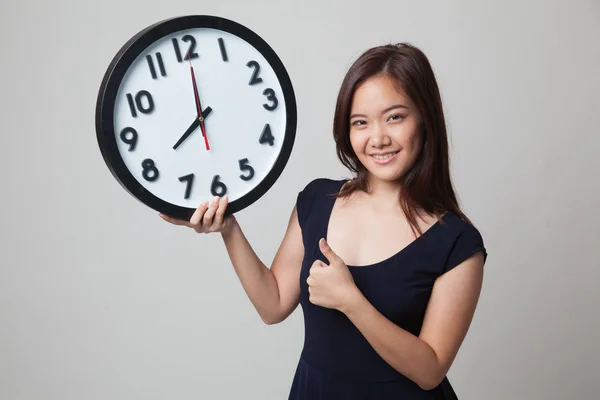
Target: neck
384, 192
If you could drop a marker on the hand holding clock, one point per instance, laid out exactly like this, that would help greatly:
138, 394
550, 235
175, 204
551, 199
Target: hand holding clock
208, 217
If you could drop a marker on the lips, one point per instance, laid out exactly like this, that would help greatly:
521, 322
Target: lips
384, 158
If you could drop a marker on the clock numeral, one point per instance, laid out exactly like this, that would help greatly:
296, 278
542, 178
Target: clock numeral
190, 53
130, 140
150, 172
270, 93
266, 136
254, 79
245, 167
189, 180
223, 51
138, 104
159, 61
218, 188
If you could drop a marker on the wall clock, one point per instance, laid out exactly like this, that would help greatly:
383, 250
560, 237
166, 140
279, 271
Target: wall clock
194, 107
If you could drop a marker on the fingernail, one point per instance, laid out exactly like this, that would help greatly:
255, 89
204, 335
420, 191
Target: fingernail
215, 199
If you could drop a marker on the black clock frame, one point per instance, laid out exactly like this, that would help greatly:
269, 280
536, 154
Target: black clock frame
109, 87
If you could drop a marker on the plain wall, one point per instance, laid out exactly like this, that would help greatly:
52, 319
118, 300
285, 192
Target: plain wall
101, 299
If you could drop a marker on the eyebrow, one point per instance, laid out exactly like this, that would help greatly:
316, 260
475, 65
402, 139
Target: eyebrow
383, 112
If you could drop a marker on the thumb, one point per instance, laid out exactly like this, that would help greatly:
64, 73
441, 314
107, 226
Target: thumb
327, 251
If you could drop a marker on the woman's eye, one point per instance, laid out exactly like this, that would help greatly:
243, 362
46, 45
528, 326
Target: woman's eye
358, 122
397, 117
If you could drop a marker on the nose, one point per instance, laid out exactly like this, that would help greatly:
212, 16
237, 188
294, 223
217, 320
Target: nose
379, 138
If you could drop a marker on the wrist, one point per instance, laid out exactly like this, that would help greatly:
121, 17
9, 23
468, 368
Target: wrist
231, 226
353, 303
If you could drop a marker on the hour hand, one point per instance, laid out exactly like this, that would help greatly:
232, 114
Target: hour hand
192, 128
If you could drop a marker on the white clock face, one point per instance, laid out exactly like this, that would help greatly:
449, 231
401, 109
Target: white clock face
242, 104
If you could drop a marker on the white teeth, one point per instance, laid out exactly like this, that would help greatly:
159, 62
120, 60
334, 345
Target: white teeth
383, 156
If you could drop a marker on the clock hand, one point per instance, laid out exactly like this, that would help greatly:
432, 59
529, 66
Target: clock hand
192, 128
198, 106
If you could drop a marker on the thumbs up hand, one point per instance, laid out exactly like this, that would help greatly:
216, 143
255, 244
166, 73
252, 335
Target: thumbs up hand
332, 285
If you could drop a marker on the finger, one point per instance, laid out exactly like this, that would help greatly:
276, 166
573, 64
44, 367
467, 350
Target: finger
313, 268
198, 214
209, 214
327, 251
218, 220
310, 280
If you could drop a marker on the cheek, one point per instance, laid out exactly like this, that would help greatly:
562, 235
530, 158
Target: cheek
409, 138
358, 143
410, 142
414, 145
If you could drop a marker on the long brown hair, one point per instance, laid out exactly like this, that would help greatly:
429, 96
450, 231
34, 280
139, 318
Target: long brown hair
427, 184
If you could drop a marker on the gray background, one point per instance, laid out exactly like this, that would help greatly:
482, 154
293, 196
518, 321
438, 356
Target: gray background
101, 299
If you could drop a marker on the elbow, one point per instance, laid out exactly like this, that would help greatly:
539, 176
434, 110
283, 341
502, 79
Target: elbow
271, 319
427, 386
433, 374
275, 315
430, 381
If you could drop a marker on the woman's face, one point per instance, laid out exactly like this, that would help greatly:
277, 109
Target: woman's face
384, 129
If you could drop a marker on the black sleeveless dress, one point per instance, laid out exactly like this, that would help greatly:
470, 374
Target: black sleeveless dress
337, 362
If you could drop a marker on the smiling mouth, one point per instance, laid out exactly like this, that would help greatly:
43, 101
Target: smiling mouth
384, 158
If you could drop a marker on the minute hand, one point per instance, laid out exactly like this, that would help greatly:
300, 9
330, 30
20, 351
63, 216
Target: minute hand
198, 106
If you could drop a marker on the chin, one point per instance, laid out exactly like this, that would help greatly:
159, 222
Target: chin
389, 175
387, 178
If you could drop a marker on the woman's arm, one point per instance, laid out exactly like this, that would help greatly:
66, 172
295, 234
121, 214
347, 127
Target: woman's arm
425, 359
274, 292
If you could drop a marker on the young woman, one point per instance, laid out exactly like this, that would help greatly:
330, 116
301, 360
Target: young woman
387, 268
